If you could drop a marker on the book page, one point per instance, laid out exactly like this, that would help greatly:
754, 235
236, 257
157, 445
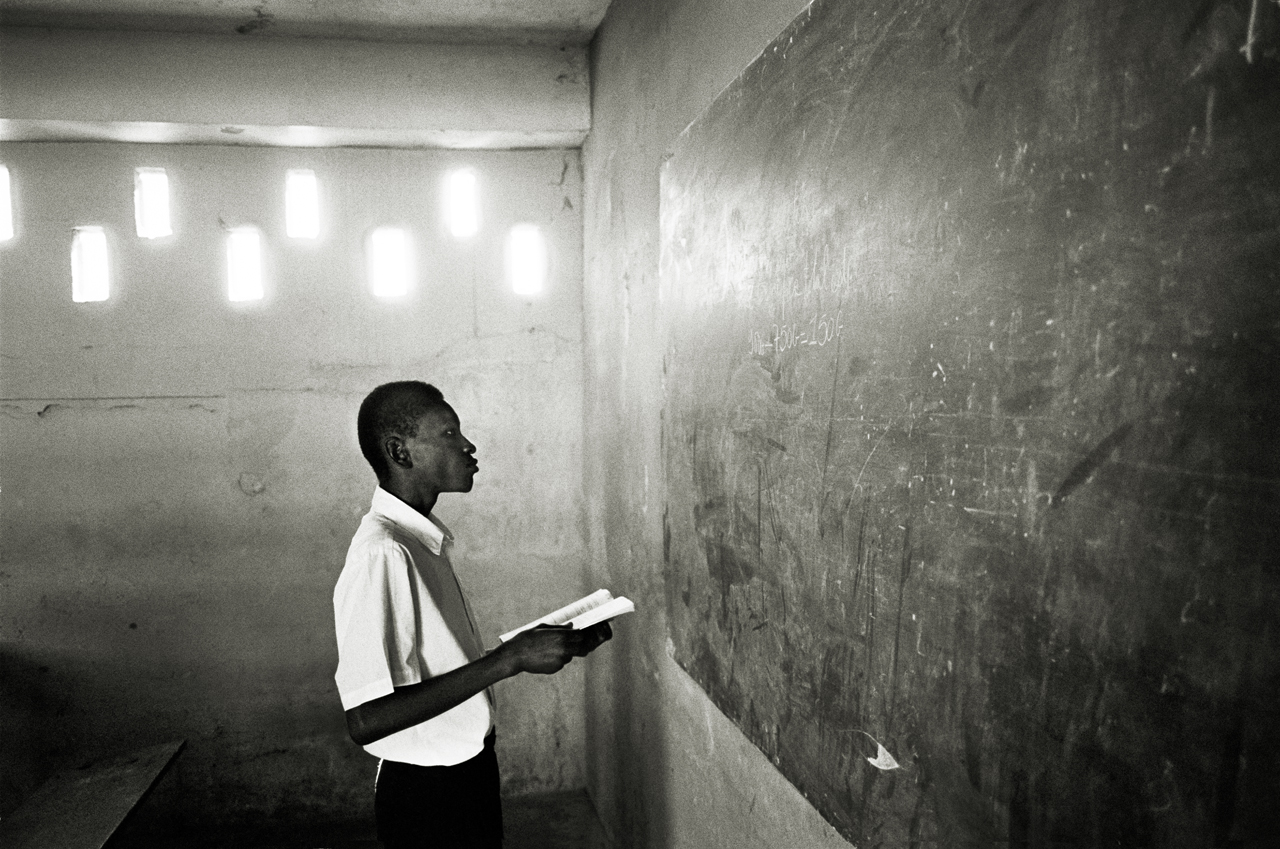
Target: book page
578, 607
608, 610
564, 614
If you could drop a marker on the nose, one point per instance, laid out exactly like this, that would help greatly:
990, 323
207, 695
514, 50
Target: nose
469, 448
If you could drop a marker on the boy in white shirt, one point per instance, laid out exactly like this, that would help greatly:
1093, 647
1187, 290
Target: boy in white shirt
412, 672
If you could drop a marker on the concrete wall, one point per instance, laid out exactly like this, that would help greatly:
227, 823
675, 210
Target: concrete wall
181, 477
666, 768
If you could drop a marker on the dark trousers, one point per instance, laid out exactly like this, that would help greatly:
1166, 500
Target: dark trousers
440, 807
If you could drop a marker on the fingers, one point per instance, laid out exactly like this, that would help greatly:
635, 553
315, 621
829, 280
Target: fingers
580, 643
592, 638
547, 649
600, 634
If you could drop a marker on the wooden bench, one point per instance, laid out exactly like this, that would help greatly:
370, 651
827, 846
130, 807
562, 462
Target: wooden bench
81, 808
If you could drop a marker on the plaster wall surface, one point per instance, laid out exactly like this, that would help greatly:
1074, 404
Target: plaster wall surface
666, 768
180, 474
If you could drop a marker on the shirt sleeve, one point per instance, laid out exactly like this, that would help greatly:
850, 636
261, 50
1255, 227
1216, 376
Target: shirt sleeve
376, 624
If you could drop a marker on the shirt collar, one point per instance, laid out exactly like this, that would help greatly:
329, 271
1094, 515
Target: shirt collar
429, 530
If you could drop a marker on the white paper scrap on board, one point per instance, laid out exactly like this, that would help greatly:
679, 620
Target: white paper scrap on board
882, 760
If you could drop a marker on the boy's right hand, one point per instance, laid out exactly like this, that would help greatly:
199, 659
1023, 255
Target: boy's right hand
547, 648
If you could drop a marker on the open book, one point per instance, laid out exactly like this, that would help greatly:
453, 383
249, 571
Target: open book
583, 613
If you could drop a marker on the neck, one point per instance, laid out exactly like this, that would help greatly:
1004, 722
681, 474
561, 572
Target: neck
421, 500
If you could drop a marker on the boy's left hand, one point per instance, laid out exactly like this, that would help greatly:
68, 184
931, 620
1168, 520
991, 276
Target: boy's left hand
600, 633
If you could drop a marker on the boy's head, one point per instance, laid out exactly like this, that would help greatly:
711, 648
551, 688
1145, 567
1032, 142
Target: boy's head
389, 424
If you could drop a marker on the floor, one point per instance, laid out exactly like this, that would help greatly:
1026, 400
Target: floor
553, 821
564, 820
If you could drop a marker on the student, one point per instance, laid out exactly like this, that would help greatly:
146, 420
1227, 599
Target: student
412, 672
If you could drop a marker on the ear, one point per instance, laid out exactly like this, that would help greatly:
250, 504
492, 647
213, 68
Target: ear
397, 452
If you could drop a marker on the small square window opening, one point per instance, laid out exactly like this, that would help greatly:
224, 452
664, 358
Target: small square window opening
151, 203
6, 206
461, 203
244, 264
90, 269
302, 204
526, 259
390, 262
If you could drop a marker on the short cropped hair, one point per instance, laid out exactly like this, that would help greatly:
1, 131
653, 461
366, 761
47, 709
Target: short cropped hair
393, 408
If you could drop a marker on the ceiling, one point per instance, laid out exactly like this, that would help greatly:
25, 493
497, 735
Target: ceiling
570, 22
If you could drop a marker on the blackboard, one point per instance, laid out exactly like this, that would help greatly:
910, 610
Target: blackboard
970, 417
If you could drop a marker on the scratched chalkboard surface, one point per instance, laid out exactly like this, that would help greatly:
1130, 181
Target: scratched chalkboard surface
972, 386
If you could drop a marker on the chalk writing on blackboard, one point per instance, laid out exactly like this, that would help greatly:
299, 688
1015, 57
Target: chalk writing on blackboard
820, 329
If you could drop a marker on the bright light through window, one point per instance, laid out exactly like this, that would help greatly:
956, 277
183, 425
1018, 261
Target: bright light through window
244, 264
461, 203
301, 204
90, 278
6, 206
390, 262
151, 203
526, 259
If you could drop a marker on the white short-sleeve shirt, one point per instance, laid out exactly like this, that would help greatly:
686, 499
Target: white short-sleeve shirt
402, 618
